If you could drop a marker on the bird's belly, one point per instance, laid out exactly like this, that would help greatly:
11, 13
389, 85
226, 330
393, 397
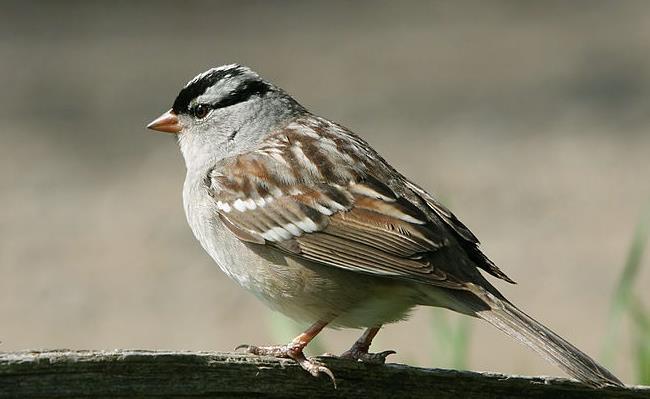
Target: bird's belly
305, 291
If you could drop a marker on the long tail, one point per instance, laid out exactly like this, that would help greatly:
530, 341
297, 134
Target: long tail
508, 318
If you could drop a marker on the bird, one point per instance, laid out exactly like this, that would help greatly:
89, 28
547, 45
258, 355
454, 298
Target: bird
308, 217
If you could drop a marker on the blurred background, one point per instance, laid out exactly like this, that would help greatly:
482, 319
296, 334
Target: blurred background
529, 119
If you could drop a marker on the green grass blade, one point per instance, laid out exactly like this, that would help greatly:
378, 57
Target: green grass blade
641, 318
451, 335
460, 359
623, 293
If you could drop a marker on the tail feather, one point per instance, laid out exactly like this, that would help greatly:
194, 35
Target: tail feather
508, 318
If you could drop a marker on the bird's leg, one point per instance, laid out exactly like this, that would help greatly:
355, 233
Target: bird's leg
293, 350
359, 350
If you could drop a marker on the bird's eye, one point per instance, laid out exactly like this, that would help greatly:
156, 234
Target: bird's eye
200, 111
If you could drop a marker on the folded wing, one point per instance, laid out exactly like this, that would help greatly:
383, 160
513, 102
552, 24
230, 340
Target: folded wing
312, 191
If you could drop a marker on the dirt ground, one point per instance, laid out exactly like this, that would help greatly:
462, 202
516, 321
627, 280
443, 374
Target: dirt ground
529, 119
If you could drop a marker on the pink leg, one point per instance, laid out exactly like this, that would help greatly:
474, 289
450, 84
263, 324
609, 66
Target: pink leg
359, 350
293, 350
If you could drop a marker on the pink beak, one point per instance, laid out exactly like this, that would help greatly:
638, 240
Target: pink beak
167, 122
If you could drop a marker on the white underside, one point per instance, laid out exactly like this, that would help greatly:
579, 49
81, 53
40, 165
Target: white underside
302, 290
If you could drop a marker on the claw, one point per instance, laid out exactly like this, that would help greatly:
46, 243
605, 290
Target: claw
315, 368
282, 351
365, 357
328, 372
292, 352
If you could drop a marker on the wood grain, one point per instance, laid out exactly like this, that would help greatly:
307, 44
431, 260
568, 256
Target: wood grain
143, 374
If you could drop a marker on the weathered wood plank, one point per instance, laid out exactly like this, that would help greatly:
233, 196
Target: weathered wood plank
135, 373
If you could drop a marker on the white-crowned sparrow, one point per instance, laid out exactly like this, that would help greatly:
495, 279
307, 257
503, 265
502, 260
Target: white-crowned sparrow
310, 219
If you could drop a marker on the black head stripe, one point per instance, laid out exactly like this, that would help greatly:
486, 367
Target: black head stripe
243, 92
198, 87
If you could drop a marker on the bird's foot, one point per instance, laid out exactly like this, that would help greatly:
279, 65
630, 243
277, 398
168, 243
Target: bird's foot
362, 355
282, 351
291, 351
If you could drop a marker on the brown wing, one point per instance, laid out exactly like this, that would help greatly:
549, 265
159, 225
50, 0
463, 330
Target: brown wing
308, 190
466, 238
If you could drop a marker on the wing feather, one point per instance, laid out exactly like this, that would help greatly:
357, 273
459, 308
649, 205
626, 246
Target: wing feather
284, 195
